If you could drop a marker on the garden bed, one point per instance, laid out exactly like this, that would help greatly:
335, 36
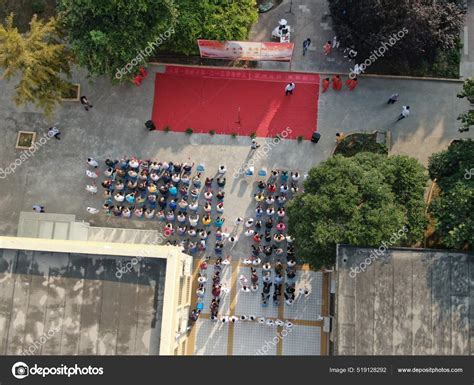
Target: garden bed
360, 142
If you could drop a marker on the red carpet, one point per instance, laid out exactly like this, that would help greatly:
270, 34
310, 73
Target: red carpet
207, 99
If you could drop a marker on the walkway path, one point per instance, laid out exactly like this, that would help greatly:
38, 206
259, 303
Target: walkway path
467, 37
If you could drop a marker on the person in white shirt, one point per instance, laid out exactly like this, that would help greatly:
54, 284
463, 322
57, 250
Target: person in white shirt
290, 87
38, 209
92, 162
91, 174
405, 113
92, 188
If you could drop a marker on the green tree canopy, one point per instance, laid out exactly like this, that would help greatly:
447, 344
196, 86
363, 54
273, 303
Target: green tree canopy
361, 200
39, 58
213, 20
366, 24
107, 35
467, 118
453, 209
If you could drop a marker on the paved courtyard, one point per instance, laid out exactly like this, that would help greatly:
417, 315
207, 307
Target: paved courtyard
252, 338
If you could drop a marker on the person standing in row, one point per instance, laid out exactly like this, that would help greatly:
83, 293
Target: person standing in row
306, 44
92, 162
351, 83
325, 84
336, 83
290, 87
405, 112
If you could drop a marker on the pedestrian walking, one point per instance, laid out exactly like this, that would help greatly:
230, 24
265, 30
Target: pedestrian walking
405, 112
92, 162
85, 103
325, 84
335, 42
38, 209
254, 145
290, 87
393, 99
306, 44
54, 131
327, 48
336, 83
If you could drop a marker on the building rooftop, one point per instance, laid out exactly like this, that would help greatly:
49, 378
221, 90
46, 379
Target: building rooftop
60, 303
406, 302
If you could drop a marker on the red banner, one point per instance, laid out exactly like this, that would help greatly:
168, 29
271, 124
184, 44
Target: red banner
245, 50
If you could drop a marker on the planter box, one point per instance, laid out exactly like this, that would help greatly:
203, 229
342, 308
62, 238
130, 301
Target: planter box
25, 140
75, 94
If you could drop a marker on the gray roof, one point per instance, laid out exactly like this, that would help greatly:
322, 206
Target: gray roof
406, 302
75, 304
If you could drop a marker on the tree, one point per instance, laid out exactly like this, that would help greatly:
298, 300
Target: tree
214, 20
467, 118
39, 58
362, 200
453, 208
110, 36
454, 220
411, 31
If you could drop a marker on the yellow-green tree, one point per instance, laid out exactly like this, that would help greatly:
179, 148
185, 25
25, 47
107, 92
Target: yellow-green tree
39, 59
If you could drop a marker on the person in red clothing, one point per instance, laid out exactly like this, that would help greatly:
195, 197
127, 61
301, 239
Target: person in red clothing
351, 83
327, 48
138, 80
325, 84
143, 72
336, 82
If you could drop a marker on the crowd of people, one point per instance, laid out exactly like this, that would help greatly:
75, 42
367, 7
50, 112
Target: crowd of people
191, 208
272, 251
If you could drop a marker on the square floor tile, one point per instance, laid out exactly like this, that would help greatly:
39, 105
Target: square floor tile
211, 338
302, 341
252, 338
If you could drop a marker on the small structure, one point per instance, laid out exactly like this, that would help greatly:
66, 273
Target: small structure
25, 140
